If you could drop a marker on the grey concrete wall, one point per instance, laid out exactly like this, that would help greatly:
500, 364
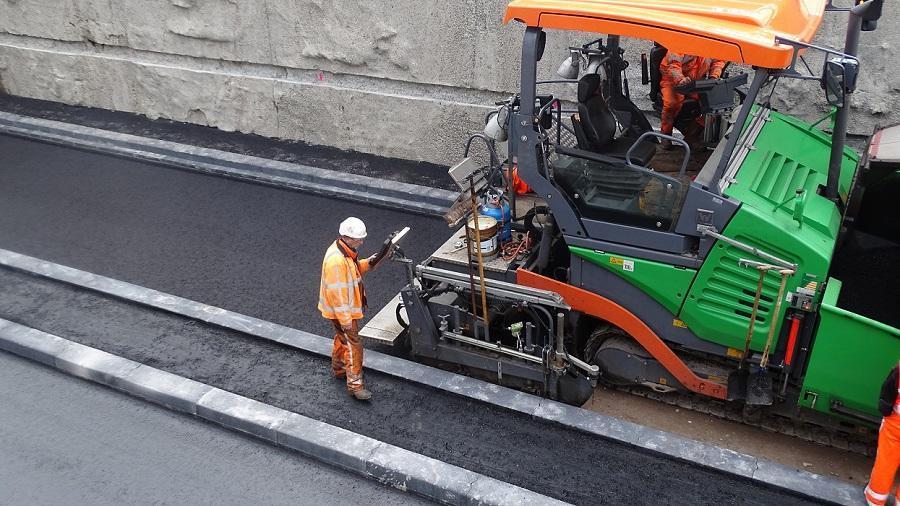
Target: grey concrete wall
401, 78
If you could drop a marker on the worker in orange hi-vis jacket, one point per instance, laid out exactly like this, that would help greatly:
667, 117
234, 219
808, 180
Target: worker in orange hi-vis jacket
342, 299
676, 70
887, 460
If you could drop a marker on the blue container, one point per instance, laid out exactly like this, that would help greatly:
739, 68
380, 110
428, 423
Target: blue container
500, 212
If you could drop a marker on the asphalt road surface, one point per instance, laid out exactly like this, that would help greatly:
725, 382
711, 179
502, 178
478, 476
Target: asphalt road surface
534, 454
257, 250
249, 248
68, 441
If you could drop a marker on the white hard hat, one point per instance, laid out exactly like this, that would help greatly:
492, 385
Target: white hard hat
353, 228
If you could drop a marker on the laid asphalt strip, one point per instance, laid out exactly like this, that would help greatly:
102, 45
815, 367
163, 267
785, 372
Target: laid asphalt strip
359, 188
745, 466
369, 457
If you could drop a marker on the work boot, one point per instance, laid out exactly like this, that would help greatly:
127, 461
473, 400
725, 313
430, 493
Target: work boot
361, 394
666, 144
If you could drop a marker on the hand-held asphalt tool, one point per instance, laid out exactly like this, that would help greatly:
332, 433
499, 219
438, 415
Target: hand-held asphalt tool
388, 246
737, 381
758, 390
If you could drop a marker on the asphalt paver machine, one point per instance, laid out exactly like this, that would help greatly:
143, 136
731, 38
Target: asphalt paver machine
706, 270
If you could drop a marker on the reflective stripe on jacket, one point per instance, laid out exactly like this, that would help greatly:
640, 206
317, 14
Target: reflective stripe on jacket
341, 292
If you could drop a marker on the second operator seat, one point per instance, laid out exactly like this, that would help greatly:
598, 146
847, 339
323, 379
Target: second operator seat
595, 125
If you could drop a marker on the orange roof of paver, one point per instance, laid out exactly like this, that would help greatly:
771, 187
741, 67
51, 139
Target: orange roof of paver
734, 30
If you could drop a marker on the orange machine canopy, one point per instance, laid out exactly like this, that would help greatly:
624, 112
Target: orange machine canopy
734, 30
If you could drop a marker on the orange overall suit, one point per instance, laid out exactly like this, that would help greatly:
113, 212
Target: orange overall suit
677, 69
342, 298
887, 460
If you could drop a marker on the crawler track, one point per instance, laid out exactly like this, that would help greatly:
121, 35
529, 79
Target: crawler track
862, 440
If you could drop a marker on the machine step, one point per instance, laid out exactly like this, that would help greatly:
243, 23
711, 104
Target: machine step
384, 327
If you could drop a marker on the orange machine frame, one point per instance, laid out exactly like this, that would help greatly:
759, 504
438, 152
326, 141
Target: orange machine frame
741, 31
602, 308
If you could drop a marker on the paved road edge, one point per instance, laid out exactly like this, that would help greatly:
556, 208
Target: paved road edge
333, 445
384, 193
769, 473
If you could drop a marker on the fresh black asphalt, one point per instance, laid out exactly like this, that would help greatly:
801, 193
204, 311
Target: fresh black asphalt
257, 250
569, 465
249, 248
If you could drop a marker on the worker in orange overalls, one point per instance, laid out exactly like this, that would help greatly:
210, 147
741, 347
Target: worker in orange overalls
676, 70
887, 460
342, 299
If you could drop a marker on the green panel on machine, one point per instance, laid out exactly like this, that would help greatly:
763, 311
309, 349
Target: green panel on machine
788, 155
850, 359
666, 284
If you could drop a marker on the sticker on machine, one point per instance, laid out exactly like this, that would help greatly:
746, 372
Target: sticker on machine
627, 265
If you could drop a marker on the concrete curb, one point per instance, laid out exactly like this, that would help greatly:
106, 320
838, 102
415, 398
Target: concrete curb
391, 194
363, 455
811, 485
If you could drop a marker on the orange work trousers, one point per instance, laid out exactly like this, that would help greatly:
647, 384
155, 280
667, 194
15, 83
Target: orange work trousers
671, 106
347, 355
887, 460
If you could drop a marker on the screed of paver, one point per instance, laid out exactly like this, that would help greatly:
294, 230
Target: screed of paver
515, 448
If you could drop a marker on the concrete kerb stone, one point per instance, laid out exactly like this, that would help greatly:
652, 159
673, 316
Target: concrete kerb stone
305, 341
241, 413
489, 491
328, 443
31, 343
807, 484
410, 471
491, 393
333, 445
393, 194
93, 364
164, 388
406, 470
607, 427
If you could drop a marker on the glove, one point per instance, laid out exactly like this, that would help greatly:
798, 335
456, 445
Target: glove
684, 81
347, 328
715, 75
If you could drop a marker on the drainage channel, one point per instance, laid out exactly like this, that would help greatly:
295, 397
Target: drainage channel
564, 464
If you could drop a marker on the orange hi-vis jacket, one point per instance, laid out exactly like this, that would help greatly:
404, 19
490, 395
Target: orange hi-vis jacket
887, 460
342, 296
677, 66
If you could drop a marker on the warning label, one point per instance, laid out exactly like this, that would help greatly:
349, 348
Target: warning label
627, 265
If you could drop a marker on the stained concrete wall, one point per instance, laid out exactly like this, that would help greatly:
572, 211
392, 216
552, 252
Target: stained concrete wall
401, 78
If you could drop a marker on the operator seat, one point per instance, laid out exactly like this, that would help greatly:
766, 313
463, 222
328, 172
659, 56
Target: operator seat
595, 125
656, 57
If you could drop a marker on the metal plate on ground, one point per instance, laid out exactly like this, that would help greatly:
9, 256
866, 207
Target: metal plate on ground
384, 327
